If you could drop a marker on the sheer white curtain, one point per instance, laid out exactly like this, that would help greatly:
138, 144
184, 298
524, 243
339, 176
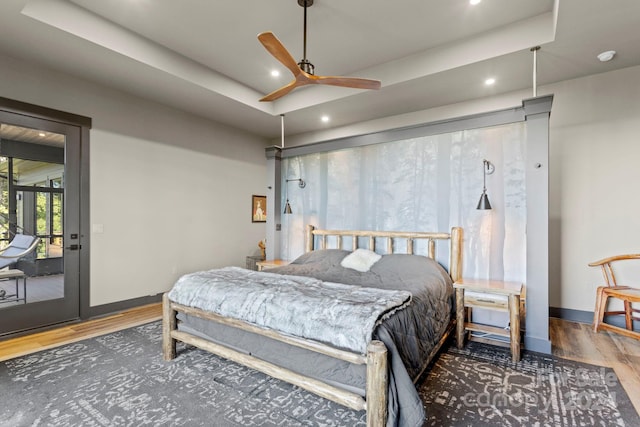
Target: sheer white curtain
430, 183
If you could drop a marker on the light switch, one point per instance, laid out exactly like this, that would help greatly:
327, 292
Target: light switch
97, 228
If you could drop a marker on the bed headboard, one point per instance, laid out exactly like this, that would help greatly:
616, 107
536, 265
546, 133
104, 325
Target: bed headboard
455, 242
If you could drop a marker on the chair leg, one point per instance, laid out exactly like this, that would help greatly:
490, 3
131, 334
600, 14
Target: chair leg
596, 310
628, 315
601, 304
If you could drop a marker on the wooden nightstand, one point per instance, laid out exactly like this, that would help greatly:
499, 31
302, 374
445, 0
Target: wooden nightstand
271, 263
490, 295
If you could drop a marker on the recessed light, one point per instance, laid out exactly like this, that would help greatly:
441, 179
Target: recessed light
474, 2
606, 56
275, 73
325, 119
489, 81
42, 134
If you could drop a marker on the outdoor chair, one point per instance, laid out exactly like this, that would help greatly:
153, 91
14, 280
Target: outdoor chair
21, 246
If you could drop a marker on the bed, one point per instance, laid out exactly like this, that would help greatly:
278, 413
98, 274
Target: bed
377, 376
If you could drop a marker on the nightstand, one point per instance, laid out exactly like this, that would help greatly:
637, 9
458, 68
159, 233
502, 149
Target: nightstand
271, 263
251, 262
489, 295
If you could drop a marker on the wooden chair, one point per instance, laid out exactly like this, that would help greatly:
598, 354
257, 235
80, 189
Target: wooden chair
627, 294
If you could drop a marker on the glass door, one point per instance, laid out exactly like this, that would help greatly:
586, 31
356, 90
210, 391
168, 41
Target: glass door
39, 197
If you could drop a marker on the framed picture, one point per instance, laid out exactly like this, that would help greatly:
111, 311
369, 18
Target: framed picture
258, 208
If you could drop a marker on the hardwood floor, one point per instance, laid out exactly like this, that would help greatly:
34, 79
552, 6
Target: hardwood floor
26, 344
570, 340
577, 341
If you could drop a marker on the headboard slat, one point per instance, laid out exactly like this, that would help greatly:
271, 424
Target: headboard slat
432, 248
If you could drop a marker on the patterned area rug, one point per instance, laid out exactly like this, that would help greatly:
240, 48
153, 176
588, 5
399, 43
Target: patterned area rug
120, 379
479, 385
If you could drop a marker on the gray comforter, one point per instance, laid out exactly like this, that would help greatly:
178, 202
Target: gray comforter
409, 334
343, 316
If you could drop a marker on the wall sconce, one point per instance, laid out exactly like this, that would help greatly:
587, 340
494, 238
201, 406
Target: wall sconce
487, 169
301, 184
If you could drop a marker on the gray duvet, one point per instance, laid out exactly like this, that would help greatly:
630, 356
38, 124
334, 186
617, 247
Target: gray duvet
409, 334
343, 316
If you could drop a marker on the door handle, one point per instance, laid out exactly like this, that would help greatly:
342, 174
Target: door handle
74, 247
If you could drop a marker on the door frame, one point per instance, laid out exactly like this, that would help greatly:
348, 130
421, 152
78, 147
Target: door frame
84, 125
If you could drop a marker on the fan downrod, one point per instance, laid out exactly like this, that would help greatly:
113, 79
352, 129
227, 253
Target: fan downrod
304, 64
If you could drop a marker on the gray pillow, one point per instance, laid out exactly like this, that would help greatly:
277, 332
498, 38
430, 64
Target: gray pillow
330, 257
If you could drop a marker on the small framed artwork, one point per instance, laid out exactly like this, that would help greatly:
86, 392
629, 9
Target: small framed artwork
258, 208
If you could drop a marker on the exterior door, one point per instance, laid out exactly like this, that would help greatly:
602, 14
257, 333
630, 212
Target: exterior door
39, 196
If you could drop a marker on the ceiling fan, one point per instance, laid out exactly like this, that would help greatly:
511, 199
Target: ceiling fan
303, 70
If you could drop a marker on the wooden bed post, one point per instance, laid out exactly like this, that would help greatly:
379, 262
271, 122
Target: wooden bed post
455, 254
377, 384
169, 323
308, 238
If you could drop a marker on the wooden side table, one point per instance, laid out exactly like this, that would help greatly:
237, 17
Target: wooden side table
271, 263
490, 295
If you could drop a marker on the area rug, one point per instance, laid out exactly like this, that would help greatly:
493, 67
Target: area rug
120, 379
479, 385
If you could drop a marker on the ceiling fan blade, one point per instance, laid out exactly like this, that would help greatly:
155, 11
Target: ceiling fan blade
279, 93
353, 82
277, 49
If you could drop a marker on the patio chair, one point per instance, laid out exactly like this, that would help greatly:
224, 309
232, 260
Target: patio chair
21, 245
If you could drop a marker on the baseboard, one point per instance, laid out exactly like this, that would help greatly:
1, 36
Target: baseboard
581, 316
537, 344
114, 307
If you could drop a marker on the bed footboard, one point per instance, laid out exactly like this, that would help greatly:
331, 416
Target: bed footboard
375, 360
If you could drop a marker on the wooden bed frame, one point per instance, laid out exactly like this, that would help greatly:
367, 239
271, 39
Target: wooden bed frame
375, 360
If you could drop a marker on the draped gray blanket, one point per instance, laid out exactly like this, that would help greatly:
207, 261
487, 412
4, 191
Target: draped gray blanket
343, 316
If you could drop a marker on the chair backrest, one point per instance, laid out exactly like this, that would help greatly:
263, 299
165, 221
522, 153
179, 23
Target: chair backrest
607, 269
20, 246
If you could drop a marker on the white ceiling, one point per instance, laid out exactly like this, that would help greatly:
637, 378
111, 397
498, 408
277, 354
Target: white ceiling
203, 56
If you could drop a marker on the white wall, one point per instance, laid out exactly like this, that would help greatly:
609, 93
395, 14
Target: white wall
171, 191
595, 173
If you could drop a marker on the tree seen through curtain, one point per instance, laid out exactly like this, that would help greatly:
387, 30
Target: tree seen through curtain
429, 183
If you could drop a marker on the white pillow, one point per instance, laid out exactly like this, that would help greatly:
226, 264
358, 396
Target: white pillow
360, 260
